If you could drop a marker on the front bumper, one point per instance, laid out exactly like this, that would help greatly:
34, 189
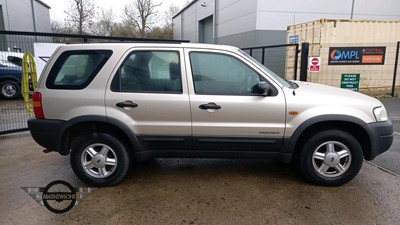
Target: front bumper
381, 136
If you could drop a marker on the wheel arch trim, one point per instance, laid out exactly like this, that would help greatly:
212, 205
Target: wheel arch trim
290, 145
96, 119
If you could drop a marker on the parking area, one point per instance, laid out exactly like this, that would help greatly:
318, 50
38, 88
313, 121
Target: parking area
176, 191
199, 191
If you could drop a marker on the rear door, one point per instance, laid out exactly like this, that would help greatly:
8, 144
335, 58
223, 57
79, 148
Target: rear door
149, 94
228, 114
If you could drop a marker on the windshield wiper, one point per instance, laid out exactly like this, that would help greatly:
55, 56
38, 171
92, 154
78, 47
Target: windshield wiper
293, 84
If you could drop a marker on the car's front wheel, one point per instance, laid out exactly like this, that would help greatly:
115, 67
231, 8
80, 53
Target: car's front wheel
100, 160
330, 158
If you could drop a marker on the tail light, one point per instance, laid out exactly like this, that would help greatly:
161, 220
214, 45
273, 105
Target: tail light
37, 105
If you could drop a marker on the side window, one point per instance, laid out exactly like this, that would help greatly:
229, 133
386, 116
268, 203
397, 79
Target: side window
149, 71
220, 74
15, 60
76, 69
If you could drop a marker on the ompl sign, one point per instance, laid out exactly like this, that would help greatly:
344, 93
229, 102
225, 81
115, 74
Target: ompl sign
357, 55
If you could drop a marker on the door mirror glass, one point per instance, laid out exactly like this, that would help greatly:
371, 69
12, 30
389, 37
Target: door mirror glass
263, 88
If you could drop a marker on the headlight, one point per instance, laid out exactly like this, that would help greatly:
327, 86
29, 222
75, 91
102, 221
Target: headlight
380, 114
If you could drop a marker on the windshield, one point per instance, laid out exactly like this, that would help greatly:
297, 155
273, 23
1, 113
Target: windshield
279, 79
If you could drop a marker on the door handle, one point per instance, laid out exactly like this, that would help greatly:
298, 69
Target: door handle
125, 104
210, 105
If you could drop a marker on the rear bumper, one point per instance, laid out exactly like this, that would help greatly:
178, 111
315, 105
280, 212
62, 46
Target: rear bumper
47, 133
381, 136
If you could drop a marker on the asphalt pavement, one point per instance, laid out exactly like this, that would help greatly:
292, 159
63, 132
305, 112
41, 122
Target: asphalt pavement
193, 191
197, 191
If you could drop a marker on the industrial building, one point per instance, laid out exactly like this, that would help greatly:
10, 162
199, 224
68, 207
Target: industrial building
24, 15
350, 24
249, 23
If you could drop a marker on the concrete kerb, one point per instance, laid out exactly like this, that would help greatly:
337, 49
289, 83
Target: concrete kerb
383, 169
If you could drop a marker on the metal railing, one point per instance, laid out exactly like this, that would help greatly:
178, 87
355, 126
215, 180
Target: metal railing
396, 63
274, 56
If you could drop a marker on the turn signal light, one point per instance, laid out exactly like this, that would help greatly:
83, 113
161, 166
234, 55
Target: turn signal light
37, 105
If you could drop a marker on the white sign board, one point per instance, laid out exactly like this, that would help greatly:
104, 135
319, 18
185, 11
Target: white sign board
43, 51
314, 64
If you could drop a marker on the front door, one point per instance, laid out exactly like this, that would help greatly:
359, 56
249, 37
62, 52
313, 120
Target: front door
228, 114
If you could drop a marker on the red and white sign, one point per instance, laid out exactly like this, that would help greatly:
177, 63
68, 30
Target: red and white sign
315, 64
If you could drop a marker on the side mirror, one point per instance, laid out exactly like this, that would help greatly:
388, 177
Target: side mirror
263, 88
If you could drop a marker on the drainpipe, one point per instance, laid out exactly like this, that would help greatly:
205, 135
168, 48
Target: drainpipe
34, 20
33, 15
8, 20
215, 22
181, 25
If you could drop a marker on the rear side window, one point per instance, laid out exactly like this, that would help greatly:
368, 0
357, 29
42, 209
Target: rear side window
76, 69
149, 72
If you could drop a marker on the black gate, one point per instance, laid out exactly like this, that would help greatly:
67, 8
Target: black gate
278, 58
396, 63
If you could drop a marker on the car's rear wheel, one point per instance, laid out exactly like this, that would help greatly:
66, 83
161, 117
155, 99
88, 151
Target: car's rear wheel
100, 160
9, 89
330, 158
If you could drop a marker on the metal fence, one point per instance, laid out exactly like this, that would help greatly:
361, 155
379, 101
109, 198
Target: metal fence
13, 116
274, 57
18, 41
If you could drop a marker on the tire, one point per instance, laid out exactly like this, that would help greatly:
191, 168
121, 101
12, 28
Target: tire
330, 158
100, 160
9, 89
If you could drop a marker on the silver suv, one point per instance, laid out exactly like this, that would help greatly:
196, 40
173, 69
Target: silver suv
110, 105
